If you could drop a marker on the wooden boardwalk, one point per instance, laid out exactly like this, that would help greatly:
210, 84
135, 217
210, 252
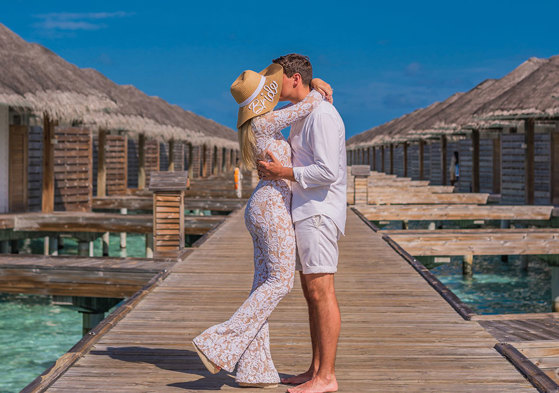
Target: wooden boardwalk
398, 334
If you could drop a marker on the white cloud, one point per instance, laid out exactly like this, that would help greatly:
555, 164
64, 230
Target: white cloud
72, 21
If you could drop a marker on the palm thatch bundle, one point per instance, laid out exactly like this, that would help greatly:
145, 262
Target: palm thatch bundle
38, 80
529, 90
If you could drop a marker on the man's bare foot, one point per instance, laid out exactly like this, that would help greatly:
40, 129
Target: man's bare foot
316, 385
298, 379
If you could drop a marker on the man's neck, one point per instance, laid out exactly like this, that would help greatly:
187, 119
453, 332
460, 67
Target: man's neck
300, 94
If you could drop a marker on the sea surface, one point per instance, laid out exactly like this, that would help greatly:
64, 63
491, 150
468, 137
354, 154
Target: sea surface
33, 332
499, 287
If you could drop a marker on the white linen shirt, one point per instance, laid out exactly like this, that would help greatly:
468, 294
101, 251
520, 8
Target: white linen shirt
319, 166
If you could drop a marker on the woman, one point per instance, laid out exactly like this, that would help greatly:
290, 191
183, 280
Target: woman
244, 340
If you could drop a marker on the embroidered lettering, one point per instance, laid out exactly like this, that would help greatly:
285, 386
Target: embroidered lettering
257, 106
271, 91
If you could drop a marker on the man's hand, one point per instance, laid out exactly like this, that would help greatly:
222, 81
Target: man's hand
273, 170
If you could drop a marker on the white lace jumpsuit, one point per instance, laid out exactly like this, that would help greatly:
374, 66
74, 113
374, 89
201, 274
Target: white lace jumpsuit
244, 339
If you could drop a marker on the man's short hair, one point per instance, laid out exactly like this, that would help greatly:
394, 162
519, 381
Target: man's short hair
295, 63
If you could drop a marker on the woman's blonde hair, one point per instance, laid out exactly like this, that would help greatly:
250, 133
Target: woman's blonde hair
247, 144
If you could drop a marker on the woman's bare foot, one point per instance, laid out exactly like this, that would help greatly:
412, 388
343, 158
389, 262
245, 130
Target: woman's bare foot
298, 379
316, 385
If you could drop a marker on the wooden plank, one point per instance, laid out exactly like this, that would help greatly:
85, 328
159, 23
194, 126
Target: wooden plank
455, 212
105, 222
478, 242
427, 198
77, 276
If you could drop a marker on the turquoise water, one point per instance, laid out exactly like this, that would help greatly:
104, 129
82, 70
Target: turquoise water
500, 287
135, 246
33, 334
497, 287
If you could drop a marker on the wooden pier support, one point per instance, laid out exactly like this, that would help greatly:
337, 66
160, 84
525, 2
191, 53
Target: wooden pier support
555, 288
168, 212
5, 247
50, 245
105, 240
123, 211
149, 245
141, 162
467, 266
83, 248
504, 224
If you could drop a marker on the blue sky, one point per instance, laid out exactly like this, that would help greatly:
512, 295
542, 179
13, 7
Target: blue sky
383, 59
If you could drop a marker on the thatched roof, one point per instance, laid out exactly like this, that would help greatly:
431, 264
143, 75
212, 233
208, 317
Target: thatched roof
398, 129
459, 113
531, 97
508, 98
33, 77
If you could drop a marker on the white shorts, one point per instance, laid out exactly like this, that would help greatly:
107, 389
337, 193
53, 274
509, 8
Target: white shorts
317, 245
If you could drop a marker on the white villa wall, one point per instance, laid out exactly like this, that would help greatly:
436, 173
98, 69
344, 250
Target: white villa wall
4, 158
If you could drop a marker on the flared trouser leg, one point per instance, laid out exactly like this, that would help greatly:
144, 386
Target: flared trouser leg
225, 344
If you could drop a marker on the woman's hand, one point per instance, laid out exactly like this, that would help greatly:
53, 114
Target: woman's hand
323, 88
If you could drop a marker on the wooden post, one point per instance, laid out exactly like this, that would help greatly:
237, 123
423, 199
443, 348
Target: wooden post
48, 165
391, 158
171, 166
405, 159
475, 161
142, 162
53, 245
101, 164
14, 244
529, 126
555, 287
467, 265
374, 164
105, 240
444, 168
168, 212
4, 246
382, 169
204, 161
524, 261
123, 236
149, 245
496, 163
555, 165
83, 248
421, 159
190, 167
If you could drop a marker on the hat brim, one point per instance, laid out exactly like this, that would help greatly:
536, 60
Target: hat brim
268, 97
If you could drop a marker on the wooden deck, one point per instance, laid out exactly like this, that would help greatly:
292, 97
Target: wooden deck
455, 212
398, 333
77, 276
513, 241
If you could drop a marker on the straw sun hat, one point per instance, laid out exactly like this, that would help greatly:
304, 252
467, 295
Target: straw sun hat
257, 93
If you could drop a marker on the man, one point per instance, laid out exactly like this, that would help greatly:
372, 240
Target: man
319, 182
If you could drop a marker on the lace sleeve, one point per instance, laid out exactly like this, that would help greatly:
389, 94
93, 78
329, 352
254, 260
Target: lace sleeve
275, 121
